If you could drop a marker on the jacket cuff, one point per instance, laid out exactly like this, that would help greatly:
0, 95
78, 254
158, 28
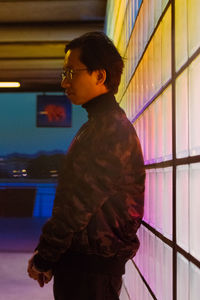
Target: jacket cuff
41, 264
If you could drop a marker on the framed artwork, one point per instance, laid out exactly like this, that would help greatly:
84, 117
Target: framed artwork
54, 111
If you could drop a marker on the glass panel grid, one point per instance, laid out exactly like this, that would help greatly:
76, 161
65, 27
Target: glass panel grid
154, 128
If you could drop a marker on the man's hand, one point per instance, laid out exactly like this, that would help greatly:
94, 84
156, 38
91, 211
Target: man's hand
41, 277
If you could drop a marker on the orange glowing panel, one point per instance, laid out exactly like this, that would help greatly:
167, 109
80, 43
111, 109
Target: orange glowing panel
181, 33
157, 58
193, 25
166, 47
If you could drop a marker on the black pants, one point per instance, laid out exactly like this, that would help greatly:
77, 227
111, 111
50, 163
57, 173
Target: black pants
86, 286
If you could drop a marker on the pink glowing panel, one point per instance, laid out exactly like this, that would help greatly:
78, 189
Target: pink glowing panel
181, 33
159, 213
182, 115
194, 282
152, 195
159, 129
194, 107
146, 198
167, 203
146, 136
159, 263
193, 25
151, 133
151, 262
145, 253
130, 276
134, 284
182, 207
182, 278
141, 121
167, 123
141, 254
167, 269
123, 293
194, 210
157, 58
150, 69
166, 46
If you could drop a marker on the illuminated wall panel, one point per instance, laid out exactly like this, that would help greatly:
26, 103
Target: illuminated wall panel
193, 26
182, 208
181, 36
194, 282
156, 140
134, 284
166, 47
182, 278
194, 107
182, 115
151, 264
194, 210
160, 92
189, 277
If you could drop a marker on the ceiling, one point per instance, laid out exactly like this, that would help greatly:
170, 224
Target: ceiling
33, 35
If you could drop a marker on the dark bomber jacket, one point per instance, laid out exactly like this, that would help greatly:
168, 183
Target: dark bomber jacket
99, 200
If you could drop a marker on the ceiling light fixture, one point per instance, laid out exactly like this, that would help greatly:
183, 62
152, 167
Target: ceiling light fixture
9, 84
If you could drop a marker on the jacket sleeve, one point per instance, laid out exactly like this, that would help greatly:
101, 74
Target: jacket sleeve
94, 174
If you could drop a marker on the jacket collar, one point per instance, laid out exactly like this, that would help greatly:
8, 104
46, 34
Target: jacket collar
100, 104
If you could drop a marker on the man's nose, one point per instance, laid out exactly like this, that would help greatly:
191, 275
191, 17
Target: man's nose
65, 83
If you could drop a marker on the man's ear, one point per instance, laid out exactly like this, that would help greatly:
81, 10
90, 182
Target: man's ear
101, 76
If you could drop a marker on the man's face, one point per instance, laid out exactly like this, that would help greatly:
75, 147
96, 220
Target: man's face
82, 87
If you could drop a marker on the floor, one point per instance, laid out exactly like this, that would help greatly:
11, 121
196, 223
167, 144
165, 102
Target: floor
14, 281
18, 238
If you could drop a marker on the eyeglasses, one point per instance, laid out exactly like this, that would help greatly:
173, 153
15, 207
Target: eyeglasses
69, 73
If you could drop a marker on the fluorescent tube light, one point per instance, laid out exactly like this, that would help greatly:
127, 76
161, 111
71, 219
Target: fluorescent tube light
9, 84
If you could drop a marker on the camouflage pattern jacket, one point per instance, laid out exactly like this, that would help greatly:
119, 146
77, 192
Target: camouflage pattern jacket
100, 195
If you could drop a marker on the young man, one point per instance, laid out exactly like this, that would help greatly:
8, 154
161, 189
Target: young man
99, 199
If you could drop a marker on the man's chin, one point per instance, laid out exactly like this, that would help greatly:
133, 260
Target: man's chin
73, 99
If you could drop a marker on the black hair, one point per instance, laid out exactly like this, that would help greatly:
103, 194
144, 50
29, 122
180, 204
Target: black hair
98, 52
